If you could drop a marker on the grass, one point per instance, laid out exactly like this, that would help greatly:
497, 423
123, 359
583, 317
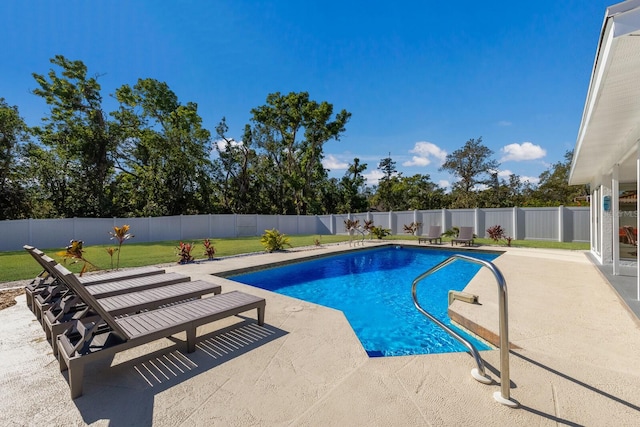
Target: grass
19, 265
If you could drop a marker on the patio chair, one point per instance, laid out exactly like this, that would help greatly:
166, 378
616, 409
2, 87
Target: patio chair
60, 315
103, 336
434, 234
465, 236
45, 278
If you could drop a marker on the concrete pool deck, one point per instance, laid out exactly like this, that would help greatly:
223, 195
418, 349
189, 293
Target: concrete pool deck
576, 361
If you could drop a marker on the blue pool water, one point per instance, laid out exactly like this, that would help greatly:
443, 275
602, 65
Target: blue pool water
373, 289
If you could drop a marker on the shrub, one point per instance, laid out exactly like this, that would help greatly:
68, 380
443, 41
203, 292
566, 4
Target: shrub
380, 232
184, 252
412, 228
497, 233
351, 223
209, 249
273, 240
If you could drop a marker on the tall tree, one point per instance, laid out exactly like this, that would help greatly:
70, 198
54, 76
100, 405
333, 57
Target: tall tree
14, 202
384, 197
352, 186
473, 165
290, 132
77, 141
236, 168
164, 154
554, 189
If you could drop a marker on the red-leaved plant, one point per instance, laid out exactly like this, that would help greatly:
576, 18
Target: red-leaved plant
75, 252
184, 252
209, 250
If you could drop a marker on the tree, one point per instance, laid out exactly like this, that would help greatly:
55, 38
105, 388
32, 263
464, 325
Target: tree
471, 164
14, 202
384, 196
289, 133
75, 161
554, 189
236, 168
163, 155
352, 187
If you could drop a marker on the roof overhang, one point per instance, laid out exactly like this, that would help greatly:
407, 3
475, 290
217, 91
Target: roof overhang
610, 126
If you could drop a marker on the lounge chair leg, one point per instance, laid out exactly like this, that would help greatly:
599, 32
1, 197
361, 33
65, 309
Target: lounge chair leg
75, 379
261, 316
191, 340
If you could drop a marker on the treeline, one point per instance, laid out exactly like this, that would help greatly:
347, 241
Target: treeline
152, 157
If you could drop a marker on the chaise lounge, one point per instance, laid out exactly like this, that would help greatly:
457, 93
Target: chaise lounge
465, 236
434, 234
102, 336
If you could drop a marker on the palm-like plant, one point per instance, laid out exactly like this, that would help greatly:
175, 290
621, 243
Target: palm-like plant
75, 252
121, 234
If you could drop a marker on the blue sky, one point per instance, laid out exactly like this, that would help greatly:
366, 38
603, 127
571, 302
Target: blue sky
420, 78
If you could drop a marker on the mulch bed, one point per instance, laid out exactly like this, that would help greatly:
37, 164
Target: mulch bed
8, 297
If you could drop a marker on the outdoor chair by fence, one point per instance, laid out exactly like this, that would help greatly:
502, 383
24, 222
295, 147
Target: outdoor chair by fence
103, 336
465, 236
434, 234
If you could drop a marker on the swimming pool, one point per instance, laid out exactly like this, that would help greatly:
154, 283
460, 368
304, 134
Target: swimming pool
373, 289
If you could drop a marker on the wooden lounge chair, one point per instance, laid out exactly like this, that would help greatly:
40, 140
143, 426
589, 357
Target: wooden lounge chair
104, 335
60, 315
434, 234
99, 288
45, 278
464, 236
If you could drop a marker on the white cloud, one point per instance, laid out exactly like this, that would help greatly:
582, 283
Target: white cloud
425, 153
532, 179
373, 177
519, 152
443, 183
332, 163
222, 144
505, 173
504, 123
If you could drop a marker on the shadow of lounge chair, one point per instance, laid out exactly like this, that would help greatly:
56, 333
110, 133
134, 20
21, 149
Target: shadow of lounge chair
435, 233
465, 236
103, 336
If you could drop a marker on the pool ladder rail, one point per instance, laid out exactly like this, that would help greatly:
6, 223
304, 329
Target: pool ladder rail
502, 396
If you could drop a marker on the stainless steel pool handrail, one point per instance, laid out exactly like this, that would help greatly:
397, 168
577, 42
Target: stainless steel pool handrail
503, 396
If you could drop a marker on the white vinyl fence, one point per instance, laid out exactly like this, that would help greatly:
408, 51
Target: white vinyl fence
563, 224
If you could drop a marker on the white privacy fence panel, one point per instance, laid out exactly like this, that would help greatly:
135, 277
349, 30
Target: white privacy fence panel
501, 217
555, 223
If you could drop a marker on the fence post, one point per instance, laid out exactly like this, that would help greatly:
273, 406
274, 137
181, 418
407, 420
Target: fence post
476, 220
445, 226
560, 223
514, 221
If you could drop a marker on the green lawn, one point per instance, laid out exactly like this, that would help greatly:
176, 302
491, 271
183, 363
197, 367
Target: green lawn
20, 265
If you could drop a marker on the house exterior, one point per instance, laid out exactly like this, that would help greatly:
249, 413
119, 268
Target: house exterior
607, 151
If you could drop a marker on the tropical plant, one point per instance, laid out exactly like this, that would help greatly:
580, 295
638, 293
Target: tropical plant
111, 251
184, 252
497, 233
412, 228
121, 234
317, 241
75, 253
380, 232
452, 232
273, 240
351, 223
209, 249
